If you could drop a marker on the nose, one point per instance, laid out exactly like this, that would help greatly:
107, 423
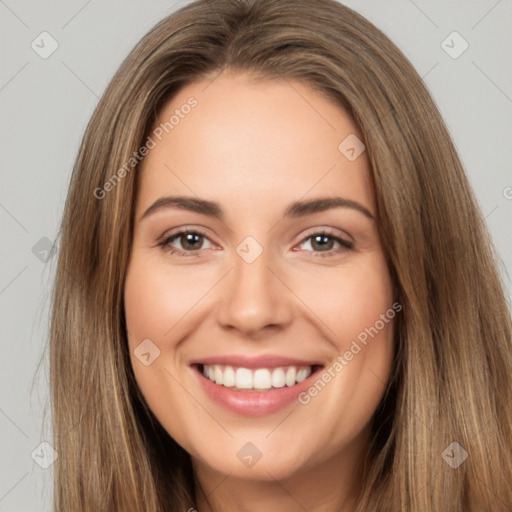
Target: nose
255, 298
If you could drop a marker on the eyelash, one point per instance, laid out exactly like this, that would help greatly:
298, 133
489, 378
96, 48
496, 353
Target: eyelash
345, 246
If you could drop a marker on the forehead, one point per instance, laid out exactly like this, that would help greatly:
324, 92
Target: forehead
248, 143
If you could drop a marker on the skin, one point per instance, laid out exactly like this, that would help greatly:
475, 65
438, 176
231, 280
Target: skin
254, 147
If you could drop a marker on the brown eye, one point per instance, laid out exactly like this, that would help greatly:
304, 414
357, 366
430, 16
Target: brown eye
190, 242
322, 242
325, 243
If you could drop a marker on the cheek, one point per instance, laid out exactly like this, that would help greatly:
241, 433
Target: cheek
155, 303
353, 302
349, 299
157, 299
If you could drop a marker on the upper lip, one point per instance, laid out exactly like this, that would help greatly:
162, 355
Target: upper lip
264, 361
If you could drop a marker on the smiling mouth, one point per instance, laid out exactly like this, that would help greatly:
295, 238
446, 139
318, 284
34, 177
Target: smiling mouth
256, 379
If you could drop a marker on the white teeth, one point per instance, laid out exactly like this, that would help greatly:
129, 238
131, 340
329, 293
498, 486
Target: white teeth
243, 378
302, 374
218, 374
290, 376
229, 377
260, 378
278, 379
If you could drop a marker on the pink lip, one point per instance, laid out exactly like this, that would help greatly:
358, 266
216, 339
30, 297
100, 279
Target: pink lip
253, 403
267, 361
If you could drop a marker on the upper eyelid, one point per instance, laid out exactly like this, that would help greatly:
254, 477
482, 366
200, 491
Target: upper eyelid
334, 232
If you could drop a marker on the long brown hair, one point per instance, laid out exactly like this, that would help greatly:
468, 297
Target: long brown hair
451, 380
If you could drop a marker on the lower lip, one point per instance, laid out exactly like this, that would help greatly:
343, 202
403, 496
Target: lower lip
254, 403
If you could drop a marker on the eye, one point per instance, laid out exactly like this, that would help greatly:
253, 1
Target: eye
324, 241
191, 242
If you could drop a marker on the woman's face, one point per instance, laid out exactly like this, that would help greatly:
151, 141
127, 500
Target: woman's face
271, 286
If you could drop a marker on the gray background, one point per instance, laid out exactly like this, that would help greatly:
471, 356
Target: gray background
46, 104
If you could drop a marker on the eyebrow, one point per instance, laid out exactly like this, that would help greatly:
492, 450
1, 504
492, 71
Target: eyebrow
294, 210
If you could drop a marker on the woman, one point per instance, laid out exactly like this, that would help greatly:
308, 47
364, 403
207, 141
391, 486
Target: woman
275, 290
